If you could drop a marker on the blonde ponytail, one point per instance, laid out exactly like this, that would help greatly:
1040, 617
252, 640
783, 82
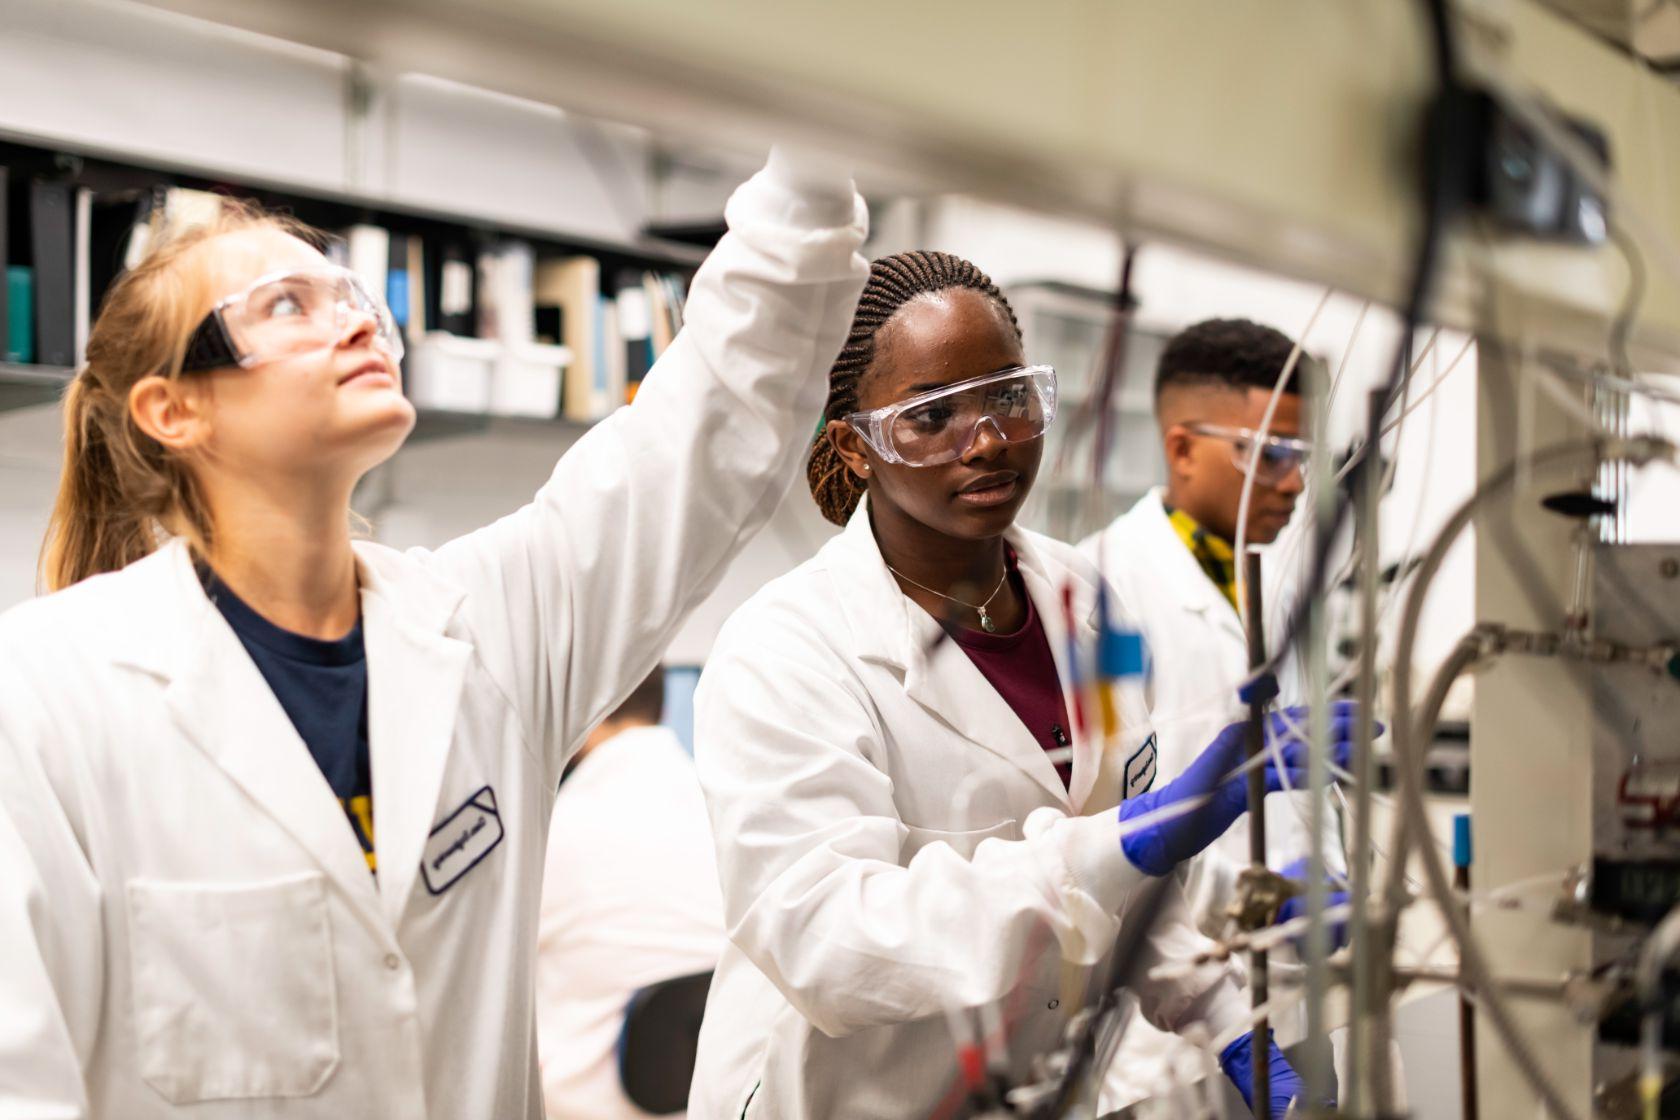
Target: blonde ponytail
122, 492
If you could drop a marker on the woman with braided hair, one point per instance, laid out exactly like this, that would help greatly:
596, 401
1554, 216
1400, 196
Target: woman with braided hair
909, 825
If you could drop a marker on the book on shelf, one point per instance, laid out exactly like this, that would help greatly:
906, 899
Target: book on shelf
52, 239
20, 325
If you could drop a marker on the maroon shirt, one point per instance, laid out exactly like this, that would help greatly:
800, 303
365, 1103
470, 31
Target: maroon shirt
1023, 670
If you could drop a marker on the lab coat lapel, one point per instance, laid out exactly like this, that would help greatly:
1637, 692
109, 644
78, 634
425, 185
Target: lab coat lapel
887, 627
220, 701
416, 674
942, 678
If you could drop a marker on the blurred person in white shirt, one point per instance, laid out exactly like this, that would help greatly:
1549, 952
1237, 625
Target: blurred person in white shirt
630, 898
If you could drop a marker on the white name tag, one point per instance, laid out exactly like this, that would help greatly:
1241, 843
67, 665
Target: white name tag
1140, 768
464, 838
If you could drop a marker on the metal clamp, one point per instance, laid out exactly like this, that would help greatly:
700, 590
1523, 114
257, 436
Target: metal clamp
1261, 894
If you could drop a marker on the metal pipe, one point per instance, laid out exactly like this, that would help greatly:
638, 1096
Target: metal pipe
1466, 1010
1317, 1072
1259, 958
1363, 1038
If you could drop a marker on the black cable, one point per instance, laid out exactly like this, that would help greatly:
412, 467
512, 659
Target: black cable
1448, 144
1450, 147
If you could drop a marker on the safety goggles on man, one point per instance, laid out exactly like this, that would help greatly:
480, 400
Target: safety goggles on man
942, 424
1280, 456
285, 315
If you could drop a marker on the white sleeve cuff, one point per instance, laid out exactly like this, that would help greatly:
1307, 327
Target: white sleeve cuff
807, 191
1091, 847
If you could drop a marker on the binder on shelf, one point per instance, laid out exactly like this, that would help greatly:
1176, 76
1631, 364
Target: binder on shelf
608, 390
635, 324
5, 270
505, 277
450, 289
398, 282
20, 326
53, 245
368, 254
417, 312
567, 297
81, 269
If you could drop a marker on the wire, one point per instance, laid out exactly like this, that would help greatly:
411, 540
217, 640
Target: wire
1441, 197
1292, 546
1416, 402
1628, 312
1437, 202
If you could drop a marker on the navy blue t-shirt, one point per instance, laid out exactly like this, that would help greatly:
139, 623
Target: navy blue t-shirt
322, 686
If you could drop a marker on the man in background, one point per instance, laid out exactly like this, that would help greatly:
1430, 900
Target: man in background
1172, 560
630, 898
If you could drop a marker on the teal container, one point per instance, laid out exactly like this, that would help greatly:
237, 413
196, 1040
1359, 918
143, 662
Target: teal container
20, 314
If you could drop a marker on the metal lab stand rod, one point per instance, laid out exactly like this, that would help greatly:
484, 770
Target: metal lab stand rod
1366, 1040
1259, 958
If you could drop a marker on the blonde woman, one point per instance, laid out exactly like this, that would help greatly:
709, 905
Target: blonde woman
273, 802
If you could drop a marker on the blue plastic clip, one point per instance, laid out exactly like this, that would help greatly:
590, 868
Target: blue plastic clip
1462, 850
1120, 653
1258, 690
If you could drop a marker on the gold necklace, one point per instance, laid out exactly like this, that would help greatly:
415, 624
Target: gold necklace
986, 622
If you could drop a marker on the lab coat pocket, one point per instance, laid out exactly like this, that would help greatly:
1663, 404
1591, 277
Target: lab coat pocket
963, 842
234, 991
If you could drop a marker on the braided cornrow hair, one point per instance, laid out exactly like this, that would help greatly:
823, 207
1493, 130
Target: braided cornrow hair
893, 282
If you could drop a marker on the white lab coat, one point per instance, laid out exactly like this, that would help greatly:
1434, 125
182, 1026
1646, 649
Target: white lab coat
1199, 658
893, 841
630, 898
188, 921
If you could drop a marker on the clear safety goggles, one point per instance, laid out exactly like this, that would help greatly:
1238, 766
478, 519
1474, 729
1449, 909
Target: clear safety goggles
286, 315
941, 425
1280, 456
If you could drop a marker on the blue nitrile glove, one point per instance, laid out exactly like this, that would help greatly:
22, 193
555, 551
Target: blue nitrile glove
1284, 1088
1296, 906
1159, 847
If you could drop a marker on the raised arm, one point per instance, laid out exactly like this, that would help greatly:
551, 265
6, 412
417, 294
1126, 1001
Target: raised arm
574, 598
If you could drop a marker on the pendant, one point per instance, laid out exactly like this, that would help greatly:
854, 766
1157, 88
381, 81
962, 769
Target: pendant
986, 622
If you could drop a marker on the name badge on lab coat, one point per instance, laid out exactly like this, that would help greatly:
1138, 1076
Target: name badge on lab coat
1140, 768
464, 838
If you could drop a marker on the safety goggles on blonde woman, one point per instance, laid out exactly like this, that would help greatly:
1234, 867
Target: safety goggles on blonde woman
941, 425
287, 315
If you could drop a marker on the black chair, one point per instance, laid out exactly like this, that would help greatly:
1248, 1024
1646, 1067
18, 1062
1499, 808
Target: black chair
656, 1047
